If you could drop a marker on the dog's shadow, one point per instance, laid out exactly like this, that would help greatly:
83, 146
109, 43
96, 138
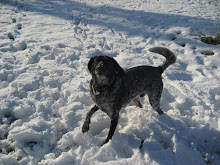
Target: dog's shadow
175, 137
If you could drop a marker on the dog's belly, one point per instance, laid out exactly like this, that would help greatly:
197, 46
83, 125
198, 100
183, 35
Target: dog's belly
132, 93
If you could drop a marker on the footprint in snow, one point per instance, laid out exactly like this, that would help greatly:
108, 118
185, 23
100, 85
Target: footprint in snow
11, 36
60, 45
180, 76
193, 47
19, 26
178, 32
183, 44
23, 45
172, 37
46, 47
33, 59
13, 20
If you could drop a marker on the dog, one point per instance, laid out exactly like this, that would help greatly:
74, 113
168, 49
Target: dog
112, 88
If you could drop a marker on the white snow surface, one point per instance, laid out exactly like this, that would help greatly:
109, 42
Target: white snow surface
45, 46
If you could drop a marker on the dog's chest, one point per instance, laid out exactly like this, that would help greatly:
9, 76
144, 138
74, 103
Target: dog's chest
107, 100
103, 97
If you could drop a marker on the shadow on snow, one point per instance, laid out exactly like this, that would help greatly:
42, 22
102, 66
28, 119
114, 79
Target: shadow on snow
129, 21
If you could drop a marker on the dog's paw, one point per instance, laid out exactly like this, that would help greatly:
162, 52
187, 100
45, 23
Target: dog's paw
85, 127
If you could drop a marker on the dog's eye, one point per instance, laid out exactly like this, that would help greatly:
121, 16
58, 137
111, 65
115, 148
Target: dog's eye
100, 65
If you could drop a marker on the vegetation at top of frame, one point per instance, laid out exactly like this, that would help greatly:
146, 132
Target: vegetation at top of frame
211, 40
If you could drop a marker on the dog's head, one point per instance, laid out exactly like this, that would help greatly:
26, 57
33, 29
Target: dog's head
104, 69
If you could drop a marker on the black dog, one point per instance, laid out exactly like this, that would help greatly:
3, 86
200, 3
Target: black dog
112, 88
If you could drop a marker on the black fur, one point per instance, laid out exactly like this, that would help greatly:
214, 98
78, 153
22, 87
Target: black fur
112, 88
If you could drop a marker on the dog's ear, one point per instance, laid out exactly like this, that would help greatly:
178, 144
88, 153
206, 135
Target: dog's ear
90, 64
118, 70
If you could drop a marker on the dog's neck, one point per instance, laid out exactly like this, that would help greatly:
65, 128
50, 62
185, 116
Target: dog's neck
100, 87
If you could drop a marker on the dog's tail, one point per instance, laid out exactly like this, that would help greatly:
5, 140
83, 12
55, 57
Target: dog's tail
169, 55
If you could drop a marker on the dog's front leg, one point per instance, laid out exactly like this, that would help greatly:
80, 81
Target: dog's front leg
114, 122
86, 123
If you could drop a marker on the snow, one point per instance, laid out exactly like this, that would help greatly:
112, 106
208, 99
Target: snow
45, 46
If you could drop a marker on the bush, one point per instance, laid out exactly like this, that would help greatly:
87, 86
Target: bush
211, 40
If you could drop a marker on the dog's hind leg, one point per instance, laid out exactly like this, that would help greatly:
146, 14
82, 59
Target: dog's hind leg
114, 122
154, 98
86, 123
137, 102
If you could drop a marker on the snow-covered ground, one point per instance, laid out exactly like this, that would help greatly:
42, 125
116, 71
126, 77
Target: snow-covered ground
45, 46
